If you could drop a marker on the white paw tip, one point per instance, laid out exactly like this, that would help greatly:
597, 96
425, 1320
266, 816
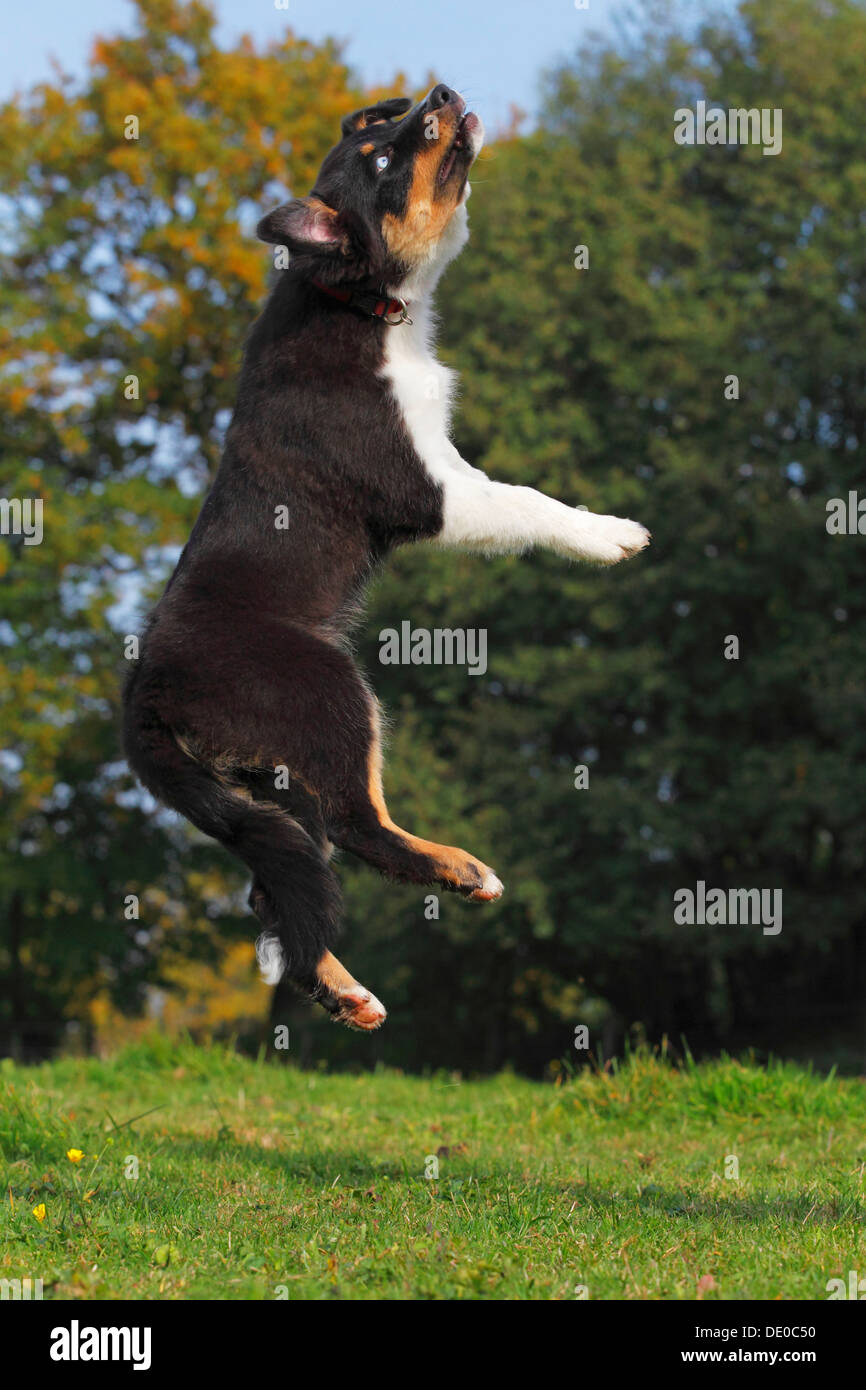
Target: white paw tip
361, 1010
491, 888
617, 539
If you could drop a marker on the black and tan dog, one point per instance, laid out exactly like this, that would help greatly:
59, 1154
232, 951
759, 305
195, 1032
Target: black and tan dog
338, 451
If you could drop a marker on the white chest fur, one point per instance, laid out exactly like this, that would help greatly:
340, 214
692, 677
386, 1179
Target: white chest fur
423, 389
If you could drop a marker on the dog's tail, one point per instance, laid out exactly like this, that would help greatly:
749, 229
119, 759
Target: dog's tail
295, 893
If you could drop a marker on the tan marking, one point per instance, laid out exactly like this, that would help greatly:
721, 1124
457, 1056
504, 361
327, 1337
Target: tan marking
334, 976
358, 1007
368, 148
426, 217
364, 119
452, 864
185, 746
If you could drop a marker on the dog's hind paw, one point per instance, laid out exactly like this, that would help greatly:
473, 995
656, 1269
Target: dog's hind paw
491, 889
345, 999
359, 1009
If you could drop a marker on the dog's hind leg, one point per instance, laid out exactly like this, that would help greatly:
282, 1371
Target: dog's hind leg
328, 982
327, 735
295, 892
363, 825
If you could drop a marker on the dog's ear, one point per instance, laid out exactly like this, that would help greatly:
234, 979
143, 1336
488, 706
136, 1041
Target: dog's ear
373, 115
306, 226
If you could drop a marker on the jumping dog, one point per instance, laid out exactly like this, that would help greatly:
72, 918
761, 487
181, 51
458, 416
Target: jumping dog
338, 451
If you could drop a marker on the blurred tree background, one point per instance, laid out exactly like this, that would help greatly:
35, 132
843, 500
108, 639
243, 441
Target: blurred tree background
135, 258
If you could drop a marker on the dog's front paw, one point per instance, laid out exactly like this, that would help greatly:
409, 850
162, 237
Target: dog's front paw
605, 540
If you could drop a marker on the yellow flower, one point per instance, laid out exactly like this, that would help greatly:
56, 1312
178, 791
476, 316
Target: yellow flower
39, 1212
74, 1155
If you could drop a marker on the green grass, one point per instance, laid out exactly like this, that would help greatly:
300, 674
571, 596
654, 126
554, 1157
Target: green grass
254, 1176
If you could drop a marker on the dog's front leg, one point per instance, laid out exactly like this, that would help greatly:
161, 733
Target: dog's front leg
497, 518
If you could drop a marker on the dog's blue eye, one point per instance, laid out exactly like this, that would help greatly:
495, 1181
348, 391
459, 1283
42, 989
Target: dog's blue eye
382, 162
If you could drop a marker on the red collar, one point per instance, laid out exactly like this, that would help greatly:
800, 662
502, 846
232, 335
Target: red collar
391, 311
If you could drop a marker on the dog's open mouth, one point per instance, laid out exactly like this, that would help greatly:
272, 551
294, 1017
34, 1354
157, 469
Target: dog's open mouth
460, 146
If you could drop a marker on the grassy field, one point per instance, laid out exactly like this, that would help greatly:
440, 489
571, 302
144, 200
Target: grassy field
256, 1181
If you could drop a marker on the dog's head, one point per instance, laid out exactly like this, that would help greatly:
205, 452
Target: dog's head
384, 203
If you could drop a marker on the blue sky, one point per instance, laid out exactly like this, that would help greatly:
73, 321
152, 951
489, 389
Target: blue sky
492, 50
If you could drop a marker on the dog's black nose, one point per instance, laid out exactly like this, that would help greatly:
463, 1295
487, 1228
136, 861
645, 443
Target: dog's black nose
439, 97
